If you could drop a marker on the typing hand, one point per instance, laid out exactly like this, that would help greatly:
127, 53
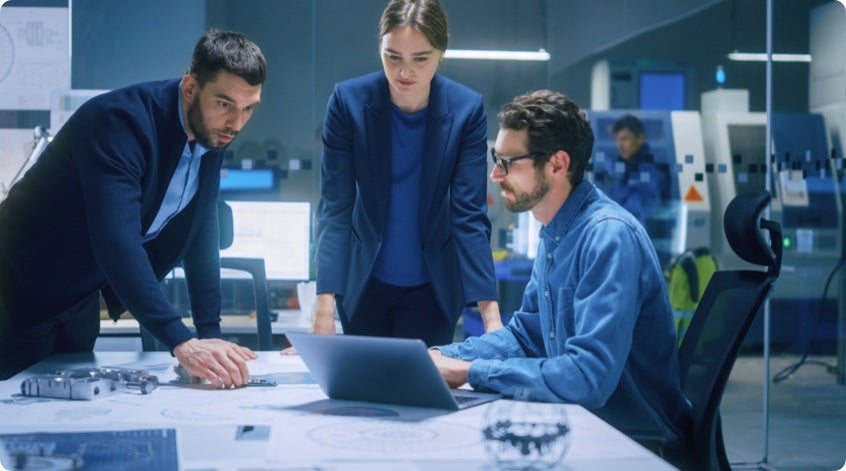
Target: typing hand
223, 363
454, 371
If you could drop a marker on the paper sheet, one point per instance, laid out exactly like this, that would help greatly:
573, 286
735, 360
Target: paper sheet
34, 56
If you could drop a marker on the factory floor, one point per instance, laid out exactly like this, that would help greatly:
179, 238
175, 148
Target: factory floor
807, 415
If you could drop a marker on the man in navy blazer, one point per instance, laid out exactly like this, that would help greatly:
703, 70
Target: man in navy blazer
356, 186
126, 190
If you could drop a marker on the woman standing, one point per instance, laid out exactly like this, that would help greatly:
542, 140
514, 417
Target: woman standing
403, 240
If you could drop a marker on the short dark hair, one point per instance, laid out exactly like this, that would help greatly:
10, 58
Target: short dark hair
553, 122
230, 51
630, 122
426, 16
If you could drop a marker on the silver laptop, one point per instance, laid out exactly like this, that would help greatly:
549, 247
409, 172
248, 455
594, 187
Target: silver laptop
380, 369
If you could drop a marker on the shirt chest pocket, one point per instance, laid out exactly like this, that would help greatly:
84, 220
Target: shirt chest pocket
561, 324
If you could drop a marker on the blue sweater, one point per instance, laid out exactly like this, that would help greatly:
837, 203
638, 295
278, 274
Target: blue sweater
595, 327
400, 260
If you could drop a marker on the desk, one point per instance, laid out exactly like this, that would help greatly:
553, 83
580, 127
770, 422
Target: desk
298, 425
124, 335
289, 320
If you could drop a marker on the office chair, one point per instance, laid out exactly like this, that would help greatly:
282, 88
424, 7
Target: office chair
253, 266
720, 323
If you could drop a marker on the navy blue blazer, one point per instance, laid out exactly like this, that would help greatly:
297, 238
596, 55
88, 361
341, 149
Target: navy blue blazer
356, 185
75, 223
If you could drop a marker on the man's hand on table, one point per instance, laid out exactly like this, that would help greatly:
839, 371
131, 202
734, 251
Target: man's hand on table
223, 363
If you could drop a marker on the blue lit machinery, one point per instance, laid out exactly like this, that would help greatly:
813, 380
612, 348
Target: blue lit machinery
729, 130
683, 219
827, 78
807, 204
812, 219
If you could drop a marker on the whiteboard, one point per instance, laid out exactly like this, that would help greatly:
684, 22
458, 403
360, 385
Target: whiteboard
34, 56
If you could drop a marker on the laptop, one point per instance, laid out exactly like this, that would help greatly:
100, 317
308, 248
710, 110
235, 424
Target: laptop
380, 369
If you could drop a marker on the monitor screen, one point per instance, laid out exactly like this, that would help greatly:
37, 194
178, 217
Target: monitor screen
236, 179
276, 231
662, 90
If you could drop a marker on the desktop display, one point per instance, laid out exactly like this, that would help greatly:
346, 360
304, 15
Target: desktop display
276, 231
241, 180
662, 90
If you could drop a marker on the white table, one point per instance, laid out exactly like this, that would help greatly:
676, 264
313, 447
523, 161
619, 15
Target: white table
301, 426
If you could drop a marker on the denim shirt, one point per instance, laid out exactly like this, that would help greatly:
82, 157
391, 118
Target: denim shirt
595, 326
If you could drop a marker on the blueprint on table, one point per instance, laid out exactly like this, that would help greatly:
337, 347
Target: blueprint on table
126, 449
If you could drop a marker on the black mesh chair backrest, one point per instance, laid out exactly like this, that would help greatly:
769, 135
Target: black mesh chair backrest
254, 266
721, 321
226, 224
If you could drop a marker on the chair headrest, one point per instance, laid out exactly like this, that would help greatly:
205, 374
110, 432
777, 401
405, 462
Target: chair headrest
743, 223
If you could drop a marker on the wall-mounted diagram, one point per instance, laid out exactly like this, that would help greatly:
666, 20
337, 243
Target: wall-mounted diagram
7, 53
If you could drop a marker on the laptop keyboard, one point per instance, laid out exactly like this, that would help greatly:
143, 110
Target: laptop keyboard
464, 399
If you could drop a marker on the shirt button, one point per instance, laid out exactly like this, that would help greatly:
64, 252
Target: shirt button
557, 238
552, 335
546, 293
549, 256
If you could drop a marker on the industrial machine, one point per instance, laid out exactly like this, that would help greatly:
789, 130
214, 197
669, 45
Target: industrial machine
806, 203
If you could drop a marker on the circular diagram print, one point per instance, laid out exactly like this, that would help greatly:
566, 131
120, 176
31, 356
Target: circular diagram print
7, 53
394, 436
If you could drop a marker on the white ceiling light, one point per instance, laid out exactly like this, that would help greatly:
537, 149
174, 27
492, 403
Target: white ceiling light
539, 55
762, 57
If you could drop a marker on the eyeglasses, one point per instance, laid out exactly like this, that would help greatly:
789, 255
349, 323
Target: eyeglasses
502, 164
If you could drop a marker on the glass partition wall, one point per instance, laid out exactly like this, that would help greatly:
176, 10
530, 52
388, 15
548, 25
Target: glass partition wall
665, 60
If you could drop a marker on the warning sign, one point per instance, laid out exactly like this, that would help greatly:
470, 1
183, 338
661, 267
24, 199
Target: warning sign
693, 195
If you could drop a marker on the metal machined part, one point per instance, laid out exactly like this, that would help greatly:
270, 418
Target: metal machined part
87, 384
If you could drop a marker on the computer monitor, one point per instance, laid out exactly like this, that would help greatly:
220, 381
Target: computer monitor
278, 232
662, 90
234, 180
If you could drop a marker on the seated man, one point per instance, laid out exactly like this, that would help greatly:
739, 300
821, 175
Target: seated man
595, 326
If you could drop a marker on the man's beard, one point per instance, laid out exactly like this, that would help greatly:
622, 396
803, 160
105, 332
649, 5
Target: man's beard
526, 201
198, 127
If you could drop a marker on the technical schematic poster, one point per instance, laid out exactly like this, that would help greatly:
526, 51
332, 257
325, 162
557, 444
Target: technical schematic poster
34, 56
